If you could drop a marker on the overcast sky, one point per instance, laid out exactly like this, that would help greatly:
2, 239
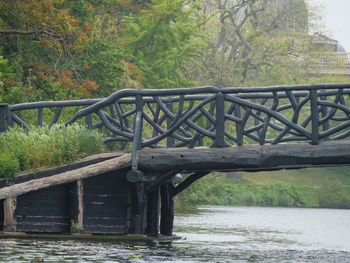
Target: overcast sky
337, 20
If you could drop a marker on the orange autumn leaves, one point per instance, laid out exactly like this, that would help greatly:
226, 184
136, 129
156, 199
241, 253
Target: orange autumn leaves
49, 26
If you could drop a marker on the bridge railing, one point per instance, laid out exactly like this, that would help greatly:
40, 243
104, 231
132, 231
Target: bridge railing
213, 116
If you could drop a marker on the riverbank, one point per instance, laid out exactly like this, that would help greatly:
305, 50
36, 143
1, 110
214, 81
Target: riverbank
312, 187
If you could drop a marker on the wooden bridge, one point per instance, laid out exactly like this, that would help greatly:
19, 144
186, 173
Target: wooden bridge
161, 133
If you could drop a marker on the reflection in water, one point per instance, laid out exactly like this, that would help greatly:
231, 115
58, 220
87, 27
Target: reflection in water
215, 234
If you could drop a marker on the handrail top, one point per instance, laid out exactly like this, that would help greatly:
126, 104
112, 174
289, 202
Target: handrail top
125, 93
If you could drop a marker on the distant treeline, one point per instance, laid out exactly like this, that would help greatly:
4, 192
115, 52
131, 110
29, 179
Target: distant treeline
217, 190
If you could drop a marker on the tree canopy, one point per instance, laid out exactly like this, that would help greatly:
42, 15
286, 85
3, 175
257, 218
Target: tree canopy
60, 49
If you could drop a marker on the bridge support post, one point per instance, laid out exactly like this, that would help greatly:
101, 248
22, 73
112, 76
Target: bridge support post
167, 209
137, 208
153, 213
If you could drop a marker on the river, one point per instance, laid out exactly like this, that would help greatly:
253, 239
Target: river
213, 234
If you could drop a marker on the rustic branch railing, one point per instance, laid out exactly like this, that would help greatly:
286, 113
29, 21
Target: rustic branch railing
211, 116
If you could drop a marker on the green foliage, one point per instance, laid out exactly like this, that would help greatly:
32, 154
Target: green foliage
333, 196
41, 147
158, 44
217, 190
8, 165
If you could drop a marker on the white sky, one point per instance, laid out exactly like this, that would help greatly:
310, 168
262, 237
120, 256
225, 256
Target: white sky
337, 20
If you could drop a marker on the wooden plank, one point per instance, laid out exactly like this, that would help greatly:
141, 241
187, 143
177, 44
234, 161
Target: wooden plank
106, 203
247, 157
66, 177
10, 205
45, 210
106, 221
44, 227
103, 229
45, 172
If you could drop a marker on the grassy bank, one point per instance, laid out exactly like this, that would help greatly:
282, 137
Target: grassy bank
316, 187
44, 147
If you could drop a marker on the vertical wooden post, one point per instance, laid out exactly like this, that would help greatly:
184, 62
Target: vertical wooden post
325, 125
3, 114
314, 117
220, 121
88, 122
137, 207
77, 206
40, 117
137, 141
170, 140
167, 209
153, 213
10, 205
239, 128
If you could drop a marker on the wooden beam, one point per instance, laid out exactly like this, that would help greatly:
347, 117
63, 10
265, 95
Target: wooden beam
67, 177
188, 181
246, 157
10, 205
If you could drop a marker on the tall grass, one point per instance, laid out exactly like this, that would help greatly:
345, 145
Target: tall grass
42, 147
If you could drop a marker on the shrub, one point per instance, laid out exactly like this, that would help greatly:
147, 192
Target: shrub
9, 165
41, 147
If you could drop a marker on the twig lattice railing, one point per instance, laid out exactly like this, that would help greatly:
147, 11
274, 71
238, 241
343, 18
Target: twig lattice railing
212, 116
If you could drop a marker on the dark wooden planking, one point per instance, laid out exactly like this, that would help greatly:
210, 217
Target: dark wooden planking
23, 219
45, 210
247, 157
43, 227
106, 203
105, 229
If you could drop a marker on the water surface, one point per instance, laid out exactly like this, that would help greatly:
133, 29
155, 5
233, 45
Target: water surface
214, 234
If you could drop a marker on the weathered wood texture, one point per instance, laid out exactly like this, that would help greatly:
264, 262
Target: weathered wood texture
46, 210
106, 203
77, 206
67, 177
167, 209
247, 157
45, 172
153, 213
10, 205
138, 201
